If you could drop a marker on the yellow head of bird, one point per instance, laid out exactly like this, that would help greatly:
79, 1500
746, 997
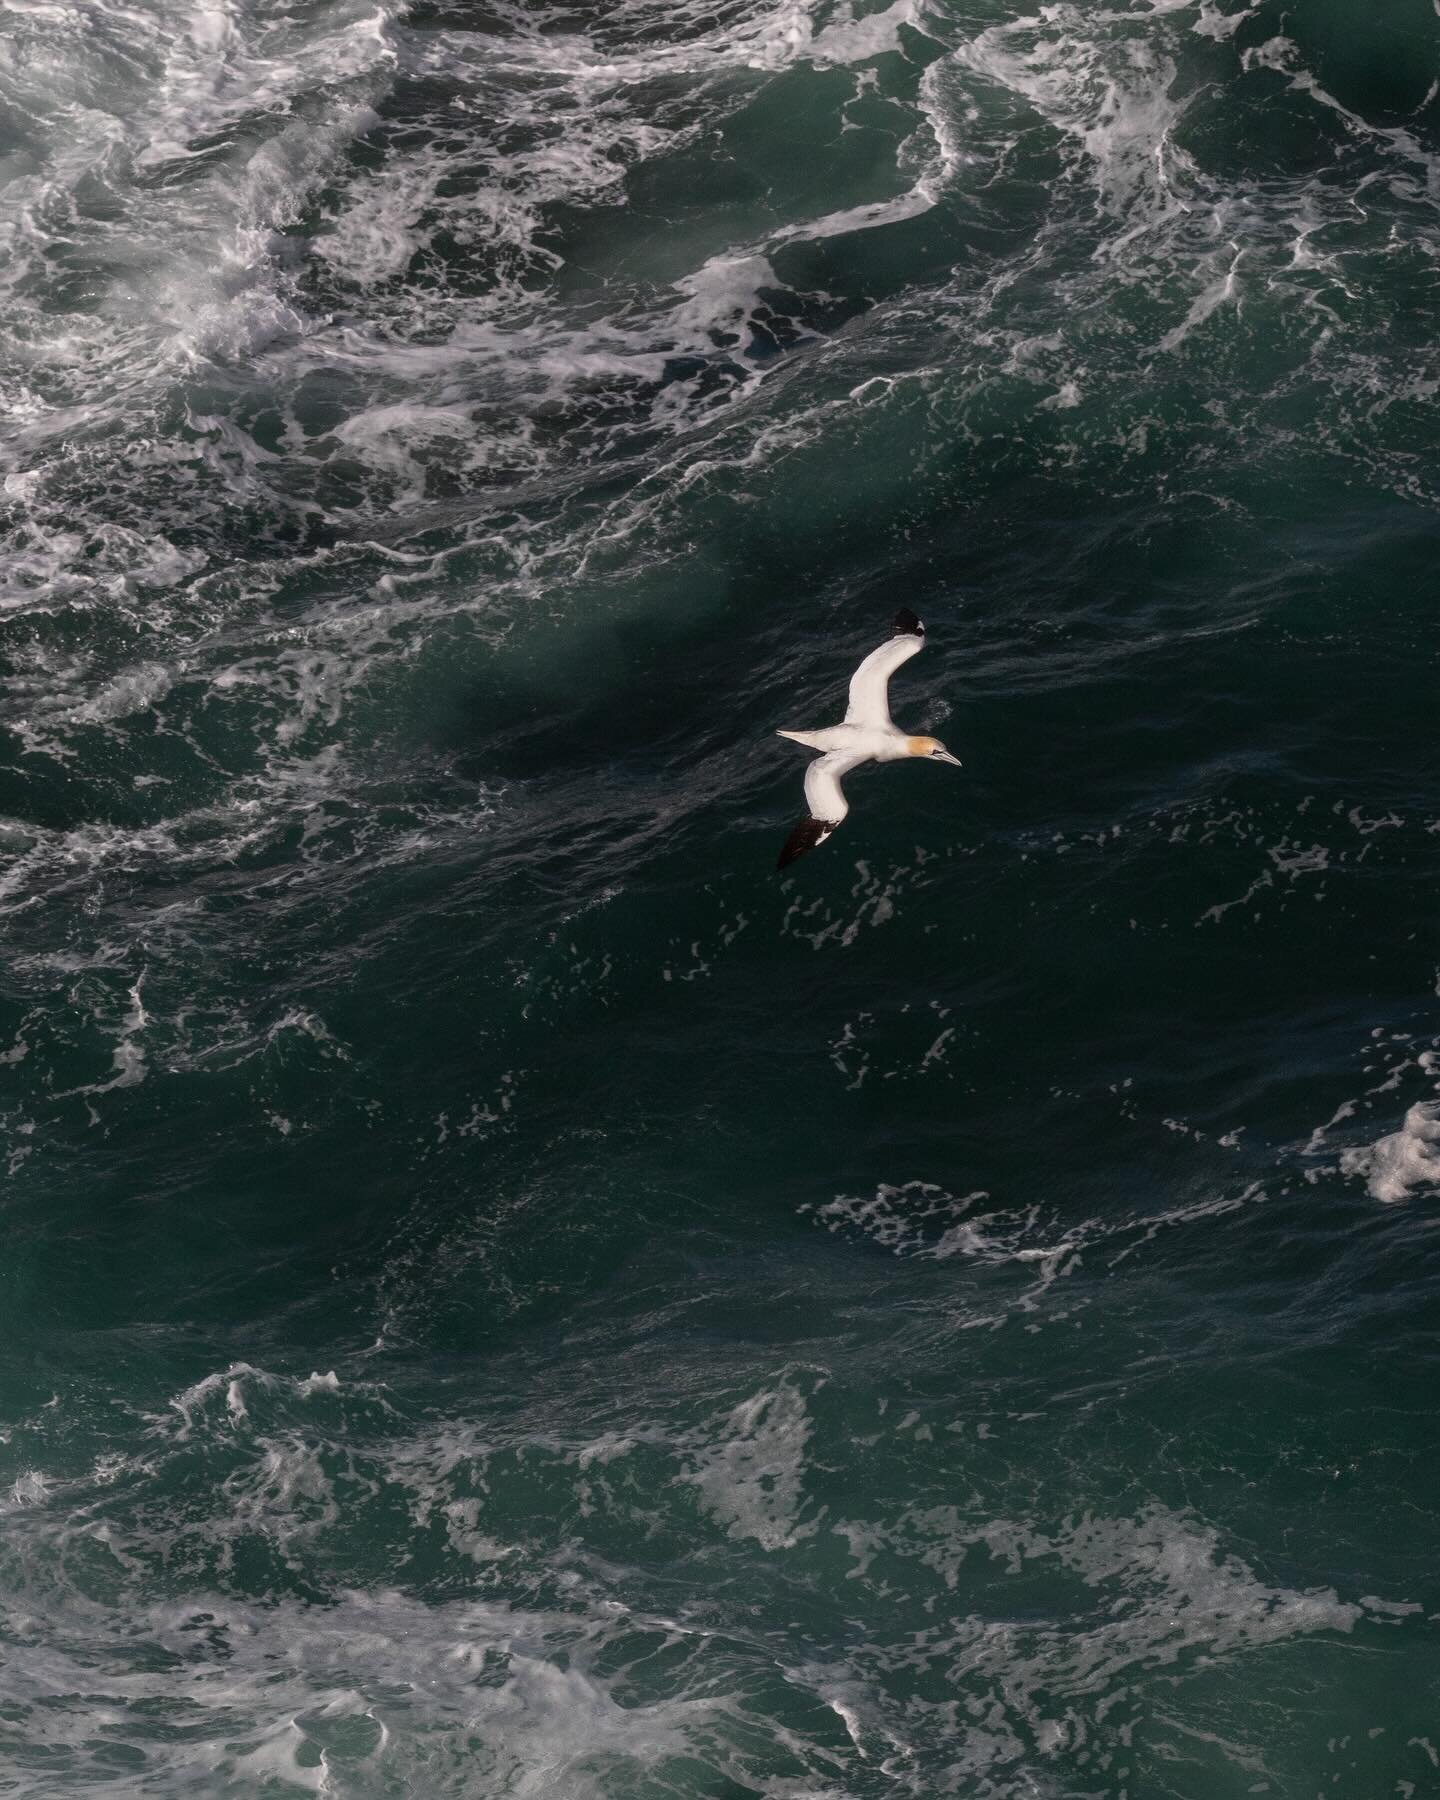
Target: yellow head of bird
932, 747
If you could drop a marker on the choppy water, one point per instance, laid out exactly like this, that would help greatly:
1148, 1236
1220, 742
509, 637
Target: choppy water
503, 1294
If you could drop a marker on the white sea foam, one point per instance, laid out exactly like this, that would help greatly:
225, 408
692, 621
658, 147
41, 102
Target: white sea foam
1110, 91
1129, 1596
1403, 1163
372, 1689
194, 1409
199, 108
915, 1218
749, 1467
552, 1685
927, 1222
557, 1672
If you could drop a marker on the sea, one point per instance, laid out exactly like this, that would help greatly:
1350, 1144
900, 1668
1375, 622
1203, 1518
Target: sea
505, 1295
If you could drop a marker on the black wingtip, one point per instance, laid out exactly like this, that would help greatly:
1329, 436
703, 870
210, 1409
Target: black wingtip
806, 835
906, 624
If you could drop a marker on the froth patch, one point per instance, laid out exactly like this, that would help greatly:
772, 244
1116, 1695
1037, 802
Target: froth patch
1405, 1161
922, 1221
748, 1467
378, 1687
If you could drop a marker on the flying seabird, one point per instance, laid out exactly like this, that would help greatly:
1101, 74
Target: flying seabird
868, 734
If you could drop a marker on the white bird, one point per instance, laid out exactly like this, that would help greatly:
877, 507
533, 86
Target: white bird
868, 734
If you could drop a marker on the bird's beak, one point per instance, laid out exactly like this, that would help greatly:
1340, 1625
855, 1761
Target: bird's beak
945, 756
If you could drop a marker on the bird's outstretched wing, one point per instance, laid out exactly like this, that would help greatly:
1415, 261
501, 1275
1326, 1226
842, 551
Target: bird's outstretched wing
826, 800
806, 835
870, 684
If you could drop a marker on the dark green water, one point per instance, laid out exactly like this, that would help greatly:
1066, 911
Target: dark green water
503, 1294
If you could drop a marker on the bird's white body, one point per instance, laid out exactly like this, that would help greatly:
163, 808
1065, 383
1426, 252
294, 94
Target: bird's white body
866, 743
868, 734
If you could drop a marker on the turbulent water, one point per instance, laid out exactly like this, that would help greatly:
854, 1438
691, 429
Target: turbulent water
503, 1293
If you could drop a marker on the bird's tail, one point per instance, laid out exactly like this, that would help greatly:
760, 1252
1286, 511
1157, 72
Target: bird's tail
807, 738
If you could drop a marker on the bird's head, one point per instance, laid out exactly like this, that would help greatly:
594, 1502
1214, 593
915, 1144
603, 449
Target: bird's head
934, 749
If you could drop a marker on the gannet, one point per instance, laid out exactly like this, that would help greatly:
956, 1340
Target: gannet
868, 734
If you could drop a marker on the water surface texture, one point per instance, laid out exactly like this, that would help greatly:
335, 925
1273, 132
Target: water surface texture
505, 1295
